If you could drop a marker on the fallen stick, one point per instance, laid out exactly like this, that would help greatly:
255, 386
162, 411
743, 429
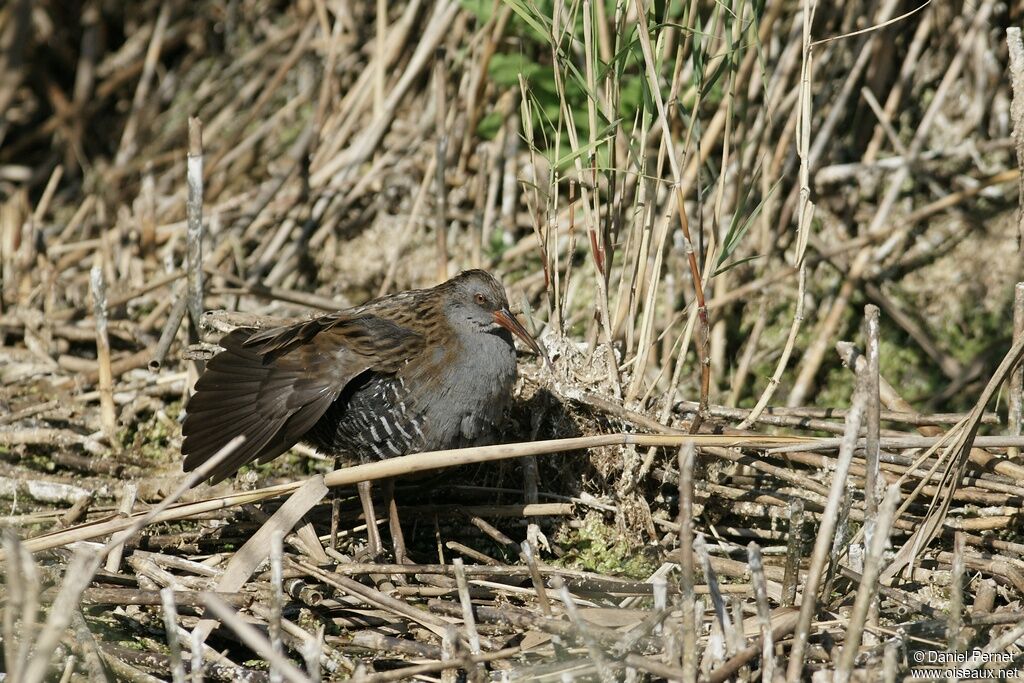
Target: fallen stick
403, 465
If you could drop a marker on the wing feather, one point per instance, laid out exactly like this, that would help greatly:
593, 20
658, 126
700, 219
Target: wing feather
273, 386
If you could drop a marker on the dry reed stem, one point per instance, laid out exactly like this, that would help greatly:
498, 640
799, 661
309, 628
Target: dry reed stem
108, 413
171, 630
253, 639
686, 460
877, 542
244, 562
873, 415
823, 541
302, 172
1015, 400
763, 612
953, 473
1015, 50
385, 469
815, 353
194, 254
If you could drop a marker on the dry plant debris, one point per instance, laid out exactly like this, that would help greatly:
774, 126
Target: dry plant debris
729, 473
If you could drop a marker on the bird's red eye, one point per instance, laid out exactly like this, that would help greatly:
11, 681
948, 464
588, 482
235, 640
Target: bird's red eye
480, 299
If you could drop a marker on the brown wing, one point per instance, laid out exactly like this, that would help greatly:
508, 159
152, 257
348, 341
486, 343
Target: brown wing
273, 386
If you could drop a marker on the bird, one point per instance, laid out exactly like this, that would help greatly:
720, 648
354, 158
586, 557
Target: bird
419, 370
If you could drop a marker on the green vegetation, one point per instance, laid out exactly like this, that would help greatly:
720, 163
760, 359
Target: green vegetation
597, 546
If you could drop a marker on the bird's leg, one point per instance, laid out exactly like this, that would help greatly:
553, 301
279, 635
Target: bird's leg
394, 524
335, 520
335, 508
372, 534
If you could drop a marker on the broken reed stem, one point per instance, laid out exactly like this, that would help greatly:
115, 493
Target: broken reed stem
1016, 397
794, 552
605, 671
194, 221
79, 573
380, 57
196, 645
124, 510
700, 550
955, 622
823, 542
873, 411
448, 650
1015, 49
764, 616
530, 557
877, 543
253, 639
441, 210
531, 494
171, 633
390, 468
467, 606
840, 542
1016, 63
108, 411
312, 653
169, 332
659, 587
735, 639
686, 458
22, 576
44, 200
702, 337
276, 598
92, 656
798, 417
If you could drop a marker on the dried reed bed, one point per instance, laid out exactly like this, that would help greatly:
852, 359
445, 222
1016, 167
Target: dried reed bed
679, 498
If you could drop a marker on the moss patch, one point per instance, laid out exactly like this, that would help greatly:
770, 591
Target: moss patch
600, 547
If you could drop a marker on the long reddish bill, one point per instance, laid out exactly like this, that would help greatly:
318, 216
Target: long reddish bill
509, 322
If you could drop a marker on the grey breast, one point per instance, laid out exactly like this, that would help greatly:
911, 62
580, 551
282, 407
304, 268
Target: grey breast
384, 416
475, 390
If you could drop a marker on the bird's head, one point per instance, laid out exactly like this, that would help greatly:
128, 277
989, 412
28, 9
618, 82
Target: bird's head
476, 302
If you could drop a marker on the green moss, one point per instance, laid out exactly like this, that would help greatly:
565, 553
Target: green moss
291, 131
496, 245
151, 439
600, 547
489, 125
